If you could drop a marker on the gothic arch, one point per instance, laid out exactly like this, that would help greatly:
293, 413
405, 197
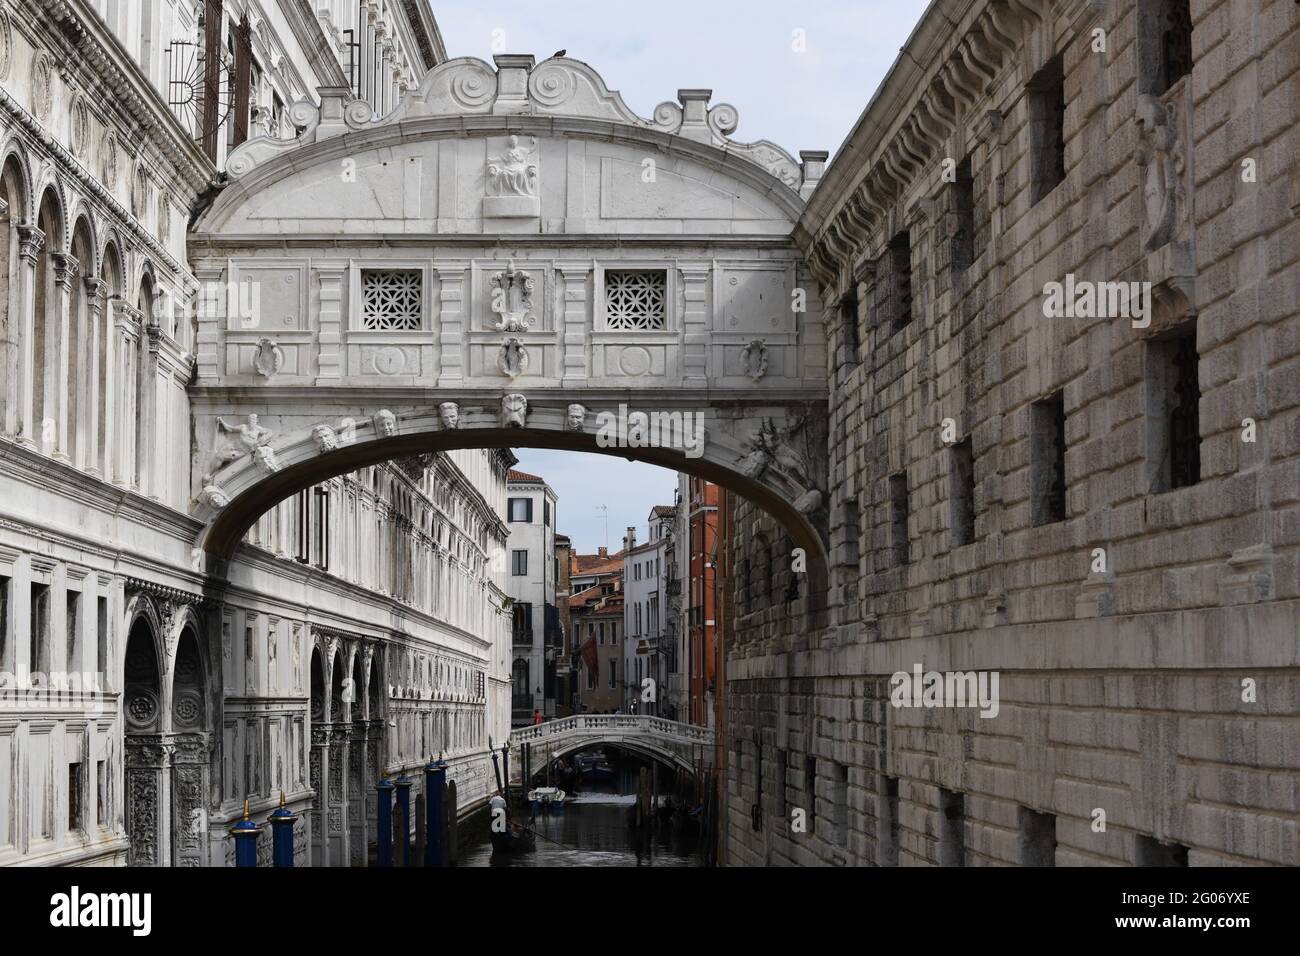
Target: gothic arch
85, 232
316, 686
17, 180
143, 665
53, 196
336, 687
188, 678
112, 261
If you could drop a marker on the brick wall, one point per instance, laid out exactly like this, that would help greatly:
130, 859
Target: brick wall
1121, 684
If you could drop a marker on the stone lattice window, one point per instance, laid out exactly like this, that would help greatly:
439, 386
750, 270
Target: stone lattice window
392, 300
636, 300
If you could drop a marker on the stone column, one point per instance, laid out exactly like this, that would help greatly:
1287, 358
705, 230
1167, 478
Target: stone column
453, 324
358, 785
19, 393
319, 773
90, 370
108, 332
147, 766
212, 311
147, 462
337, 803
57, 352
574, 276
329, 338
695, 326
127, 329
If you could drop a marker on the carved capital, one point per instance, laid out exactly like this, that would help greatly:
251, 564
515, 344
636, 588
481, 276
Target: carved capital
31, 240
66, 269
95, 292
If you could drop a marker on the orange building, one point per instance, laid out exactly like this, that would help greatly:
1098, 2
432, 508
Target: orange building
701, 599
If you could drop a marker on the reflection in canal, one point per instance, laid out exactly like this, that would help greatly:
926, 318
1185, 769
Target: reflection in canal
592, 830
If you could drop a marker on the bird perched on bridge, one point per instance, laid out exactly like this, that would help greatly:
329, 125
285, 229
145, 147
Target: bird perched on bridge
557, 54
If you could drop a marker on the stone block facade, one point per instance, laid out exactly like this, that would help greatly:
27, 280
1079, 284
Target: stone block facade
1100, 509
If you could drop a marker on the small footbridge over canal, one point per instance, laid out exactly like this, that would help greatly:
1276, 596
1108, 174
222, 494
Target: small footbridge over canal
685, 747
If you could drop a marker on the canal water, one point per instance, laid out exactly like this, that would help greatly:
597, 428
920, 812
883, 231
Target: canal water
592, 830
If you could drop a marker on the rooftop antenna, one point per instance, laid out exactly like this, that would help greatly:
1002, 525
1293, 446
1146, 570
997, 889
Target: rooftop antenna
604, 509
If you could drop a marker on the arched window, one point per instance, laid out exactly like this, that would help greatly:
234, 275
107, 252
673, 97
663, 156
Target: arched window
45, 328
12, 205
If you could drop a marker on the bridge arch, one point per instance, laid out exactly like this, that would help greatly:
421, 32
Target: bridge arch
340, 446
648, 751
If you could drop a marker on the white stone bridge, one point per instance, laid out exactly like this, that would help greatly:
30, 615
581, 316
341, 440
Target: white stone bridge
682, 746
507, 256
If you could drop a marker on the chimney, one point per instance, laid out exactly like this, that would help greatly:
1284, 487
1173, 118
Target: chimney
603, 552
629, 539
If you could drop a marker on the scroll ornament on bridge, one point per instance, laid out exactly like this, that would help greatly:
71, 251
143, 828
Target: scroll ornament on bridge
512, 300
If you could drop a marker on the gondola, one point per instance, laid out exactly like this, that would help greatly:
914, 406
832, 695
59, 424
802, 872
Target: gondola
514, 840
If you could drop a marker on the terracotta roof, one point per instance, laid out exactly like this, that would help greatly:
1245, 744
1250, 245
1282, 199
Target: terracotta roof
513, 475
661, 511
595, 564
585, 595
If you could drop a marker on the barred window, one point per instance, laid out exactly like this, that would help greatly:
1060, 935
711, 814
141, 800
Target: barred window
392, 300
636, 300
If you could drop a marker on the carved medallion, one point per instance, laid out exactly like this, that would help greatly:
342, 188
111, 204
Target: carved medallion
513, 358
268, 359
6, 44
755, 359
42, 85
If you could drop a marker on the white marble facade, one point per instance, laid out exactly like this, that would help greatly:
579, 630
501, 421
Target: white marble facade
359, 629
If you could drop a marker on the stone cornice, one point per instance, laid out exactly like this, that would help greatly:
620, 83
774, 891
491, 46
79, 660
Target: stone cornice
314, 41
101, 53
924, 105
122, 218
217, 246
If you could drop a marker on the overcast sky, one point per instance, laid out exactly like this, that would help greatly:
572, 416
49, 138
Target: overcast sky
746, 52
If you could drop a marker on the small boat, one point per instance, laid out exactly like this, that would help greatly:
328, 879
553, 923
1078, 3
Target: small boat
592, 767
514, 840
549, 799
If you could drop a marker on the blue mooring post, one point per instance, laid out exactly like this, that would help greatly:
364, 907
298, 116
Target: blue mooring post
385, 821
403, 852
282, 821
435, 778
245, 833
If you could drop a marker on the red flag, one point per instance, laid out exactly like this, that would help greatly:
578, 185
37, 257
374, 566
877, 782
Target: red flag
588, 652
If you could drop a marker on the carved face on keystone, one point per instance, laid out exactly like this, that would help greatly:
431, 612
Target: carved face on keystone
324, 436
450, 413
386, 423
576, 417
514, 408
